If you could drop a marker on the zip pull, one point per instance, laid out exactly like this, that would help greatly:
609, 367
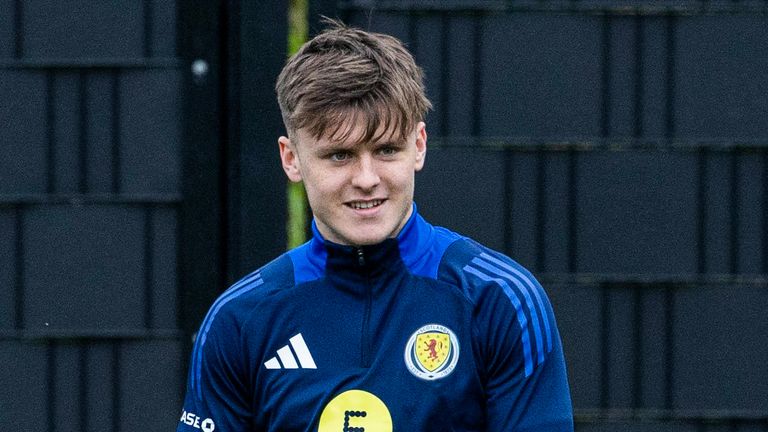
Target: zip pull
360, 257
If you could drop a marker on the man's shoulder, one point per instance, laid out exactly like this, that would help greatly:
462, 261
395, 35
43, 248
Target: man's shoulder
474, 266
255, 288
467, 251
278, 273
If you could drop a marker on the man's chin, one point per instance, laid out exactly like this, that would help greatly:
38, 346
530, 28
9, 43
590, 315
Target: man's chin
366, 238
368, 241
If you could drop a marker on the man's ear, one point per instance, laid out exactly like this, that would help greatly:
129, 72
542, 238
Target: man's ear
290, 159
421, 145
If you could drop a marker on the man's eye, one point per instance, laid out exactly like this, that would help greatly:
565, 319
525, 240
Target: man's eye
339, 157
388, 151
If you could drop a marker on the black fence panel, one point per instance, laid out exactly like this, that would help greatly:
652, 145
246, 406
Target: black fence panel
116, 209
90, 193
620, 151
259, 224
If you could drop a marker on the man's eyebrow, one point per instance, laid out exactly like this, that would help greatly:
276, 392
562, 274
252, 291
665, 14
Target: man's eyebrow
348, 144
391, 142
333, 147
338, 145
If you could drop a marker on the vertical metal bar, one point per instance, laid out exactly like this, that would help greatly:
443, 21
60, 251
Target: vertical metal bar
669, 346
83, 383
345, 13
19, 267
477, 60
50, 377
50, 118
605, 343
149, 241
573, 210
765, 212
445, 73
639, 75
116, 387
702, 206
204, 153
186, 342
638, 345
605, 78
148, 35
413, 37
669, 129
541, 210
669, 133
735, 217
230, 181
115, 129
18, 27
83, 132
320, 8
509, 191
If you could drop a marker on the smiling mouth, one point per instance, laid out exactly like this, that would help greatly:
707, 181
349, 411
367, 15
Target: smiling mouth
363, 205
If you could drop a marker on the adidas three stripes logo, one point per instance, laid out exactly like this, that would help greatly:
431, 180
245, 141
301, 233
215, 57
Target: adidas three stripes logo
287, 358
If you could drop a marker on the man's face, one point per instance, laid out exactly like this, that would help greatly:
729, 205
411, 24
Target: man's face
360, 193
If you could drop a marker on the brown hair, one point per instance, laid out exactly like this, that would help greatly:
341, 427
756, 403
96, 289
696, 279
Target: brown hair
344, 73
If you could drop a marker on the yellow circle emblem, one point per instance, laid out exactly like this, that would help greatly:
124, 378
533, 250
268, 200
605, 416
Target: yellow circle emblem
355, 411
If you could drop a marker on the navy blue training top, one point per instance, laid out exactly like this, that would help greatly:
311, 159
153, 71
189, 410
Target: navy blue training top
429, 331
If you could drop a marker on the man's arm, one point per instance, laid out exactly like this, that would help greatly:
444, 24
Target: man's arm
524, 368
537, 402
217, 392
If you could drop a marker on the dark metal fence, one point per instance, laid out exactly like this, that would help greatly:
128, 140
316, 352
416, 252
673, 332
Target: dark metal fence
617, 149
116, 212
90, 187
620, 151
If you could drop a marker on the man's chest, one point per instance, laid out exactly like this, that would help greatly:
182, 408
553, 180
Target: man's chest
377, 366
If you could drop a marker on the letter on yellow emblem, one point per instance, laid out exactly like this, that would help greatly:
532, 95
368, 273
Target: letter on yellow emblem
355, 410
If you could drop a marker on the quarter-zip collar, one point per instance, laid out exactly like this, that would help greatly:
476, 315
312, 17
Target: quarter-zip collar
363, 269
360, 268
418, 249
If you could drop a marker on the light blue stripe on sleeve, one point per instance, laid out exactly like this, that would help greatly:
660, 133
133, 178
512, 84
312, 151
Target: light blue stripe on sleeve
232, 293
533, 287
521, 319
528, 302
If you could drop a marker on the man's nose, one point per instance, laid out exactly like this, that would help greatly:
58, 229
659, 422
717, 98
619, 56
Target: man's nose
366, 175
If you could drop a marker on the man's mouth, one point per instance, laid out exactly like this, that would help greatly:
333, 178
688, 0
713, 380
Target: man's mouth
362, 205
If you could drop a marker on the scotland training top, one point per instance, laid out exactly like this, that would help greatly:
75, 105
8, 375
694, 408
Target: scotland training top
429, 331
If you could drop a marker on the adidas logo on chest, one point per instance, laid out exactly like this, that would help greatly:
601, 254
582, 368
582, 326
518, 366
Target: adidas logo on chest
294, 355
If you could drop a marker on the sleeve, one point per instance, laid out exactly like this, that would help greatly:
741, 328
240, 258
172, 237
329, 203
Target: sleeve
216, 395
524, 368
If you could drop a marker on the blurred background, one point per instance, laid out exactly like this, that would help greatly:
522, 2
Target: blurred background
618, 149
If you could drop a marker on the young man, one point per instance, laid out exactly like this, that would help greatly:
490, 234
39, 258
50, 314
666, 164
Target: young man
382, 322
